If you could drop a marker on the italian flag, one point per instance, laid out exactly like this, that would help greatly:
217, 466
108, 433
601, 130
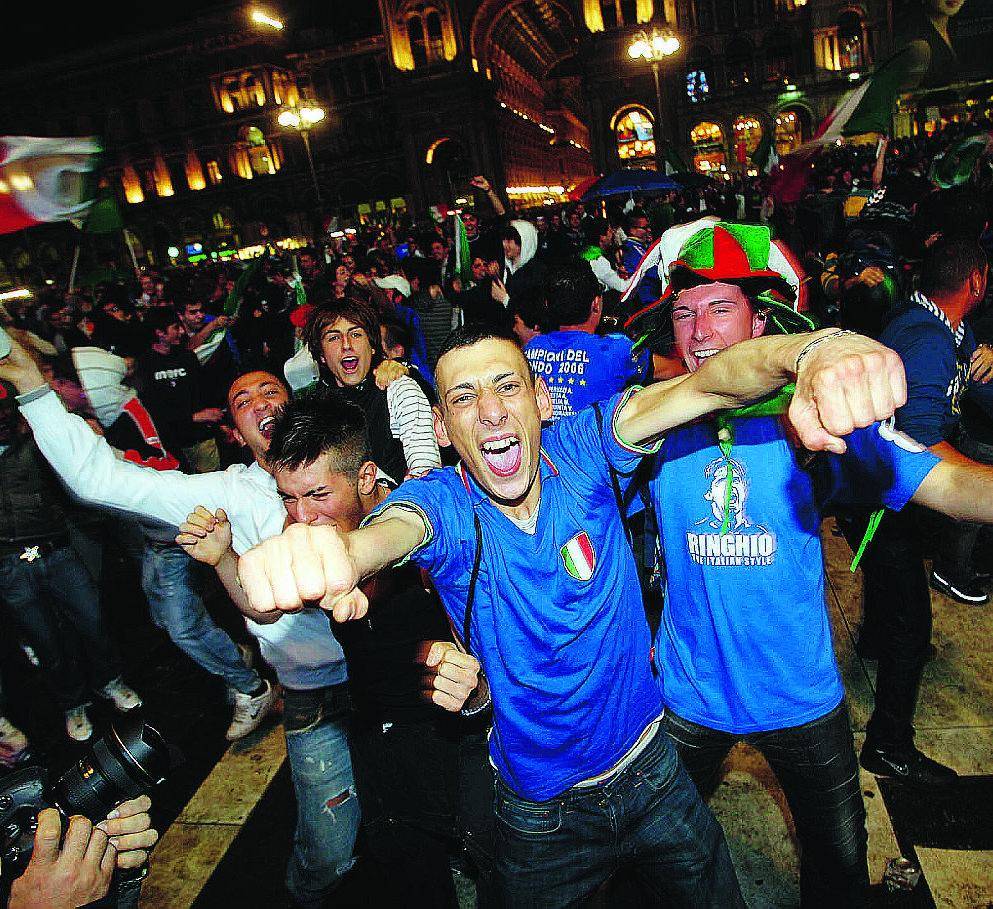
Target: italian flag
867, 108
578, 557
44, 179
463, 257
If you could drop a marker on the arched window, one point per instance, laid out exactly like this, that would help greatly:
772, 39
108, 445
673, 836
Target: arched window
428, 37
418, 44
709, 155
435, 44
634, 133
792, 129
262, 157
747, 135
851, 51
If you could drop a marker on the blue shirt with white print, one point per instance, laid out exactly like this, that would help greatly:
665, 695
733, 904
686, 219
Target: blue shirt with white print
745, 641
558, 621
580, 368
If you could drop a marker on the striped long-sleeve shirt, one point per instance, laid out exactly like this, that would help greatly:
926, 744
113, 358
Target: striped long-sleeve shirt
412, 424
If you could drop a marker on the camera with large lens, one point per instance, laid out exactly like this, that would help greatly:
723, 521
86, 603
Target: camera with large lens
123, 764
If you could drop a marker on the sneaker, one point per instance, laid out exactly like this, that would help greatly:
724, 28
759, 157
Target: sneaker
124, 697
249, 712
969, 592
78, 725
13, 743
907, 764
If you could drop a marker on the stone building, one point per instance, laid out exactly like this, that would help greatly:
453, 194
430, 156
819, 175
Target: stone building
419, 95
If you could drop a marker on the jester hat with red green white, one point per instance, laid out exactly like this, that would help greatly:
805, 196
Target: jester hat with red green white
710, 251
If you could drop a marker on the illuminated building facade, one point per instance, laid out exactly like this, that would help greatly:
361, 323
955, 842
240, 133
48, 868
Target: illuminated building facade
420, 95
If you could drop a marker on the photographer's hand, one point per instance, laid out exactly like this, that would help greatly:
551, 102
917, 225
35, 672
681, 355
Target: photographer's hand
63, 878
129, 827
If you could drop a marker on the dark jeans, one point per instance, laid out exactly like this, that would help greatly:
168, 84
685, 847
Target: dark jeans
53, 603
816, 766
419, 784
896, 604
649, 816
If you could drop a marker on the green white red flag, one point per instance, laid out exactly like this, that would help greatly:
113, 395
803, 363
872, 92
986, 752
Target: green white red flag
463, 257
868, 108
45, 179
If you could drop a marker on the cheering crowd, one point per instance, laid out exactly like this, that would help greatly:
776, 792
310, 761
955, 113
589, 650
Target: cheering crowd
566, 549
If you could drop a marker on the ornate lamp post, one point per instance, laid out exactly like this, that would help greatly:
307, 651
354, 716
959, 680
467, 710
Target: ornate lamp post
656, 47
303, 119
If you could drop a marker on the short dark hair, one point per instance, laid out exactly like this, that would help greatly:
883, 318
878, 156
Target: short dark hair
636, 214
397, 334
468, 335
948, 264
357, 311
572, 288
159, 319
594, 229
317, 425
511, 233
251, 370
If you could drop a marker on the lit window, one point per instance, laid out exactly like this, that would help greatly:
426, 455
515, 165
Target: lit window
634, 134
697, 86
708, 147
214, 173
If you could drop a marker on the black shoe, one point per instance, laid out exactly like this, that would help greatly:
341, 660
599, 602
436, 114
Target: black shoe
907, 764
969, 592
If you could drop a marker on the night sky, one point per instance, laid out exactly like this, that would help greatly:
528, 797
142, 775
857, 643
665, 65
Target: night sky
45, 33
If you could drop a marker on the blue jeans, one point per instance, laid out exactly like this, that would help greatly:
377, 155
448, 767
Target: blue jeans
815, 764
176, 606
649, 816
53, 603
327, 805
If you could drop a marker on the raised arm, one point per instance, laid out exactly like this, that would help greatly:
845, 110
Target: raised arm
843, 381
90, 467
317, 565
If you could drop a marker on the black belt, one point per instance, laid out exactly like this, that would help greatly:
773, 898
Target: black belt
30, 551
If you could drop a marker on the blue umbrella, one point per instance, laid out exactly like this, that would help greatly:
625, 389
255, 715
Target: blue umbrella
631, 180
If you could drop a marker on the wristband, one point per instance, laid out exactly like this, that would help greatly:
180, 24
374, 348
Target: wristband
815, 342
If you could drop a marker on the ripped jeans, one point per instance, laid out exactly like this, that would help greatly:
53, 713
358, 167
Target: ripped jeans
327, 805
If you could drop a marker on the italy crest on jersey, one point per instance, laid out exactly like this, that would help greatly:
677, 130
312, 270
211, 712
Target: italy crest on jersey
578, 557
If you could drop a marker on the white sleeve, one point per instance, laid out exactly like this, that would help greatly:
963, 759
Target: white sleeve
607, 276
88, 465
412, 422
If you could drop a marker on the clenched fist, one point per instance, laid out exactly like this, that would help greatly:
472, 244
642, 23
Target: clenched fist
304, 566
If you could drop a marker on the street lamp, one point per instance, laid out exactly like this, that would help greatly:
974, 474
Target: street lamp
261, 18
303, 119
656, 48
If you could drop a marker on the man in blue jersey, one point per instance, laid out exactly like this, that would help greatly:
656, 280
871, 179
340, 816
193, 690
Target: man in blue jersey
638, 239
936, 346
744, 650
525, 544
578, 365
